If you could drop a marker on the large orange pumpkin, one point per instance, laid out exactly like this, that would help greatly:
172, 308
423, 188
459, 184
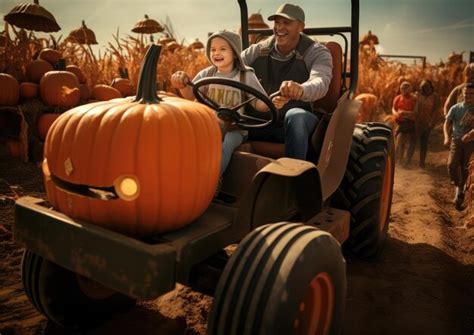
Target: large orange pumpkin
138, 165
10, 90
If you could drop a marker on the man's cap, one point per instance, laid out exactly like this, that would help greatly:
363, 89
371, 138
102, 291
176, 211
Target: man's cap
289, 11
234, 41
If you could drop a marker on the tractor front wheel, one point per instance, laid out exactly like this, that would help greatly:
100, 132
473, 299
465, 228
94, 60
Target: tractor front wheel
284, 278
66, 298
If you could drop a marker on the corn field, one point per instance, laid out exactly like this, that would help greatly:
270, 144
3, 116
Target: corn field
21, 47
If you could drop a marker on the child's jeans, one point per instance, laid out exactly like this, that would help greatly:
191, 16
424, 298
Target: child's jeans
232, 140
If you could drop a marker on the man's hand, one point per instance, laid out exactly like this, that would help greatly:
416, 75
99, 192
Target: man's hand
179, 79
469, 137
291, 90
280, 101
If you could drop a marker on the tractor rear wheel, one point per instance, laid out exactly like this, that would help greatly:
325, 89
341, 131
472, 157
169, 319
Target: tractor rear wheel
367, 188
66, 298
284, 278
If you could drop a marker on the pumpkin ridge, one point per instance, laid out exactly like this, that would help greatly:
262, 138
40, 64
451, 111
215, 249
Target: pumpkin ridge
198, 190
150, 121
186, 125
203, 191
173, 112
140, 227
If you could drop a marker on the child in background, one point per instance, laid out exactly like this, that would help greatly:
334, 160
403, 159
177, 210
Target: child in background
223, 51
458, 137
428, 115
404, 110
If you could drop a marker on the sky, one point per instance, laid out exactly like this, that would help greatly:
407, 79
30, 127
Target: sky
431, 28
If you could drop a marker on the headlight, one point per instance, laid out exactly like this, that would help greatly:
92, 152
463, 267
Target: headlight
127, 187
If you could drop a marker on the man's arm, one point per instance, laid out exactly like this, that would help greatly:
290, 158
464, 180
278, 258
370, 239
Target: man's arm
447, 130
318, 60
250, 54
451, 100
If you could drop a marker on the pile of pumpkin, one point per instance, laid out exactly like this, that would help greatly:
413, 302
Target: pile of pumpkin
58, 87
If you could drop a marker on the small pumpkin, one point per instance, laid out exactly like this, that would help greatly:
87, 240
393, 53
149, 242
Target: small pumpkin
10, 92
102, 92
44, 123
124, 86
29, 90
78, 72
139, 165
50, 55
60, 88
85, 93
36, 69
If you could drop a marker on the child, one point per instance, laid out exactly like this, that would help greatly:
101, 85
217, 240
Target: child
223, 51
427, 116
457, 129
404, 110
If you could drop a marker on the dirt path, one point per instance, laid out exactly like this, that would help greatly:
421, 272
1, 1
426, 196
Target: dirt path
422, 284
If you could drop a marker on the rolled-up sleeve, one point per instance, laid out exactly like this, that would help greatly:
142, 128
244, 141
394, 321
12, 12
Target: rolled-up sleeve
319, 61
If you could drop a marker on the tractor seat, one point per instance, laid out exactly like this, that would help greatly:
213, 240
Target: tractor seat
328, 103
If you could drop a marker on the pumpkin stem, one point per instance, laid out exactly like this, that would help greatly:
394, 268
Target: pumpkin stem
123, 71
61, 66
146, 91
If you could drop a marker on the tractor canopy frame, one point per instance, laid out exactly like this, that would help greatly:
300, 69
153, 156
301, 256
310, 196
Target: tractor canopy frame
353, 30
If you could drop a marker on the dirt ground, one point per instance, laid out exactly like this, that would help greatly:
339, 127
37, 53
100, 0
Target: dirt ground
422, 284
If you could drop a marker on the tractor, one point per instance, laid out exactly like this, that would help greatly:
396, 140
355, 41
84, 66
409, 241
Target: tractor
272, 257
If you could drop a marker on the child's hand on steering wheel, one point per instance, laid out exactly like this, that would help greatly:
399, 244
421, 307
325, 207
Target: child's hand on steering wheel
179, 79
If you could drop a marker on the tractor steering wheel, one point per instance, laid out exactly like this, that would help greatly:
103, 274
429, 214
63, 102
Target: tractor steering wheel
231, 114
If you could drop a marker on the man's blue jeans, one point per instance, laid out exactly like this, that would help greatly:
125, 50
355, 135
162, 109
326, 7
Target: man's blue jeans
299, 124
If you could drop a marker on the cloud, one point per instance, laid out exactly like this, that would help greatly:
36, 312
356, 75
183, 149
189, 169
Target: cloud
388, 26
468, 23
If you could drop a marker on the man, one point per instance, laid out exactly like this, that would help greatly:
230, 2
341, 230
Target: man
458, 93
458, 129
301, 69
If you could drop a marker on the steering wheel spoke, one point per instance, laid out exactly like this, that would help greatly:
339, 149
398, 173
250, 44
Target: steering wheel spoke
242, 121
236, 108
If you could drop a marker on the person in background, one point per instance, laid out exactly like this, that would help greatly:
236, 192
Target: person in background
458, 130
223, 51
298, 67
428, 115
403, 108
458, 94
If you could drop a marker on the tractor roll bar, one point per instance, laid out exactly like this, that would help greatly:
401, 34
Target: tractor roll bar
353, 29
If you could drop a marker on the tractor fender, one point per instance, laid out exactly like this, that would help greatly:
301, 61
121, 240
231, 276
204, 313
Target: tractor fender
337, 144
285, 189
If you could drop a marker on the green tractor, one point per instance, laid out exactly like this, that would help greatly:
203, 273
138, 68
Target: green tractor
272, 258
